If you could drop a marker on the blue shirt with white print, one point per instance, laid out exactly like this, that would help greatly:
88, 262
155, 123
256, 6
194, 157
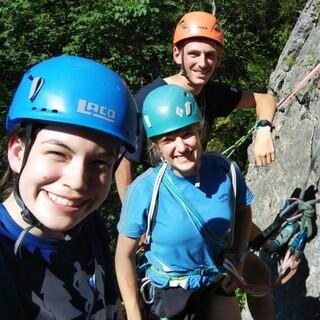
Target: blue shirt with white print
176, 246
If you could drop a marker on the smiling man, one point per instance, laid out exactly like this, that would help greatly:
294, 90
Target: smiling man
198, 46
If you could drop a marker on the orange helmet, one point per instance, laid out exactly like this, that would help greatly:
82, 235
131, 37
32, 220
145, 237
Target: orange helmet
198, 24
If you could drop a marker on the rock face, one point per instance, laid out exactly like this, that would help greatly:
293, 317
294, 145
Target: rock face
296, 137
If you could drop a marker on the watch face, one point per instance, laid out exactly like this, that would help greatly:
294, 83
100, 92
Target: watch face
263, 123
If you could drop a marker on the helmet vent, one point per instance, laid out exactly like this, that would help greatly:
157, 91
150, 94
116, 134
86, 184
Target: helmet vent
36, 85
45, 110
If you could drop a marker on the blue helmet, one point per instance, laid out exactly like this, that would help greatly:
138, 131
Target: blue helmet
169, 108
76, 91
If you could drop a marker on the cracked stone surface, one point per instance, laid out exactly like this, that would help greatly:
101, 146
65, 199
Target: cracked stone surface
296, 137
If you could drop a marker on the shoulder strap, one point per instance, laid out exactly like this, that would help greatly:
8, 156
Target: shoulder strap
154, 201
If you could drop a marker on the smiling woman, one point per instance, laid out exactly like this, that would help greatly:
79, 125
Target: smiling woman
72, 178
182, 150
186, 195
62, 158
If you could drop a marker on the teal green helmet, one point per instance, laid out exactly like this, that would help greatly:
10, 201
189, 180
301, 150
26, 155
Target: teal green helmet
169, 108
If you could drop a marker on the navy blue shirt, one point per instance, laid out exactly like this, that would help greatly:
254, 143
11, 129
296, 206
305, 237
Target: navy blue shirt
215, 100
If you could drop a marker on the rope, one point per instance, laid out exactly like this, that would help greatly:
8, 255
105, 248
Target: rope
196, 218
313, 160
214, 8
297, 209
153, 204
287, 268
298, 87
229, 151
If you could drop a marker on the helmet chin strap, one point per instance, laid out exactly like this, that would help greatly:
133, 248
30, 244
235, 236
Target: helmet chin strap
27, 217
26, 214
117, 162
183, 70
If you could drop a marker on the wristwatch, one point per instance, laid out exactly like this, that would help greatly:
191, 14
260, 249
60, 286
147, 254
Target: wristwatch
264, 123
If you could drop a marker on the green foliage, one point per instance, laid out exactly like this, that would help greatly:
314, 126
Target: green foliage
226, 131
241, 296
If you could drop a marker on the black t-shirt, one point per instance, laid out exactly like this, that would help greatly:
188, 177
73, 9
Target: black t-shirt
215, 100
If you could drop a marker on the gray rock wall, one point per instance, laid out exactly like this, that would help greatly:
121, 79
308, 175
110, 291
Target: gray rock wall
296, 137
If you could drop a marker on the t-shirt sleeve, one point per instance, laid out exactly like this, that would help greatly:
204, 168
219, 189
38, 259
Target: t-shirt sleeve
244, 195
139, 155
133, 218
221, 99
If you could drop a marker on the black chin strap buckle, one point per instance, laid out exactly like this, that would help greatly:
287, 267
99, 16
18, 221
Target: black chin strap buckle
29, 218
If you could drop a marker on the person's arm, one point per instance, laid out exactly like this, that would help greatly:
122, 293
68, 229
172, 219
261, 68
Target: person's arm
265, 105
123, 177
125, 261
242, 229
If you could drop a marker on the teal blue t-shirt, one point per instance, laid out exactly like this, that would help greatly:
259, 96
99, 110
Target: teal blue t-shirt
176, 246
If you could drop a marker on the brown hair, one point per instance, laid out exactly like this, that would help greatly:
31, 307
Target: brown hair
9, 177
220, 49
7, 182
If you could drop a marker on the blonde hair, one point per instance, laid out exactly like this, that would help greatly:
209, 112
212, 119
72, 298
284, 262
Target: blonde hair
153, 152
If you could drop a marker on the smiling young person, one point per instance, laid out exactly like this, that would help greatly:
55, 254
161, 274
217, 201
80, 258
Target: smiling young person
198, 46
182, 263
68, 119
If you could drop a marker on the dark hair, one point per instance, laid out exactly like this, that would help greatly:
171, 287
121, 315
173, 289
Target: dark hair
8, 180
9, 177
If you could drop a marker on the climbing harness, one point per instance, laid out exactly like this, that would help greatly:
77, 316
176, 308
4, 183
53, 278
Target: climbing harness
229, 151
